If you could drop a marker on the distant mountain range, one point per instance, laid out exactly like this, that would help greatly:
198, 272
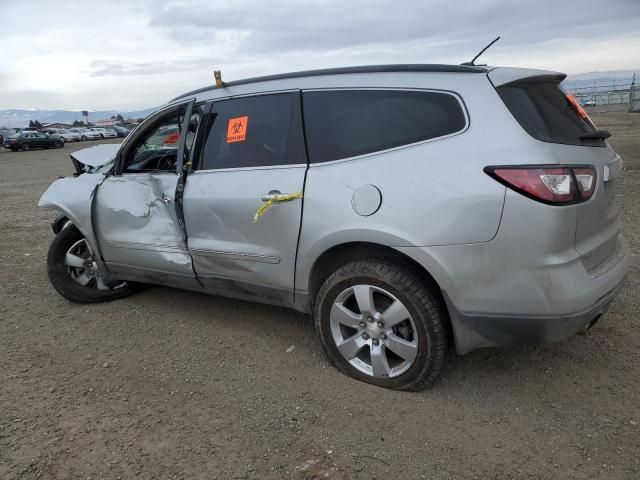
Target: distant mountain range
21, 117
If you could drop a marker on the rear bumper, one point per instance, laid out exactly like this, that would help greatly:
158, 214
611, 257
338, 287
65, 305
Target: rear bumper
477, 331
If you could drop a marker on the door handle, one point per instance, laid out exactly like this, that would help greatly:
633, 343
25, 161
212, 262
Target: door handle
272, 195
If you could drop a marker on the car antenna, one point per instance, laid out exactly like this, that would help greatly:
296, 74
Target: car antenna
471, 63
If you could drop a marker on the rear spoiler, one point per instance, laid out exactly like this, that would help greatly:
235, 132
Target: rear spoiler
502, 76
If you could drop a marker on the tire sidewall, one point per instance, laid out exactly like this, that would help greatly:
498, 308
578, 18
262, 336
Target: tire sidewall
62, 281
340, 281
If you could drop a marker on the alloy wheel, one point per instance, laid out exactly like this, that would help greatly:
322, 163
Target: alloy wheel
374, 331
83, 268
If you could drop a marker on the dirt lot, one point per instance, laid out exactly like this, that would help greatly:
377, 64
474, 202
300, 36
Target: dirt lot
173, 384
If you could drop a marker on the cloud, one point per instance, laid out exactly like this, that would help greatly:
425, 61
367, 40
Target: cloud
131, 54
106, 68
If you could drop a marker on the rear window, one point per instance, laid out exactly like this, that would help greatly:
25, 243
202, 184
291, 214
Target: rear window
546, 113
347, 123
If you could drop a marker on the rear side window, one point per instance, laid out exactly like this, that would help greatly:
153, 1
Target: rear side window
546, 113
249, 132
347, 123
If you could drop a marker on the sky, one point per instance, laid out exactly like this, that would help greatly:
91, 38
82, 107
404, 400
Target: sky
128, 54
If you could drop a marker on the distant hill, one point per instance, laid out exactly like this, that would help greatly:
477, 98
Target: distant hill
601, 81
21, 117
606, 74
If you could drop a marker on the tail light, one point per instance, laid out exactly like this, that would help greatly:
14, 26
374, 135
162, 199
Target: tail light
553, 185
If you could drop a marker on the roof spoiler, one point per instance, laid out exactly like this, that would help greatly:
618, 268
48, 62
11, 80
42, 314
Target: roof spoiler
502, 76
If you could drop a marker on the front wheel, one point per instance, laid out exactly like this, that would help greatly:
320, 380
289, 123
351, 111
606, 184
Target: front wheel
58, 145
381, 323
26, 147
84, 139
73, 271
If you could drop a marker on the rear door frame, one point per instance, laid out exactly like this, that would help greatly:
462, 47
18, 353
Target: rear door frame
206, 123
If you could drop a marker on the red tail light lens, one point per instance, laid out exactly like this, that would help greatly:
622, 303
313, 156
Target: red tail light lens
554, 185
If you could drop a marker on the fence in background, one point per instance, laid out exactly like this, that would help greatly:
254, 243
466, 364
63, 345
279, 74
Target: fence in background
611, 96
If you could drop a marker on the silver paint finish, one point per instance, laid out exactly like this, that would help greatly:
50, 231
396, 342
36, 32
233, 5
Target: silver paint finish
98, 155
72, 198
225, 242
366, 200
137, 226
495, 254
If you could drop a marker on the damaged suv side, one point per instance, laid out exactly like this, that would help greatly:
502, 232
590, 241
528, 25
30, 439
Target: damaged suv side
409, 208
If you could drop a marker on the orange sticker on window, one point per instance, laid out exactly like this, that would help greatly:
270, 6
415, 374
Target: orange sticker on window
237, 129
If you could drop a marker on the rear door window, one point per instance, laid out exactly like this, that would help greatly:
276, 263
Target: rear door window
346, 123
257, 131
546, 113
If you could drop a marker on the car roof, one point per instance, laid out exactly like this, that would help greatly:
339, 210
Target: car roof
419, 67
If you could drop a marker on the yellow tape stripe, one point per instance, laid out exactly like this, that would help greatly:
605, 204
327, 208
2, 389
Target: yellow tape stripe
286, 197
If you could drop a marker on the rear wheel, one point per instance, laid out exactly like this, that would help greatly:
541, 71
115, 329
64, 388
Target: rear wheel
382, 324
73, 271
26, 147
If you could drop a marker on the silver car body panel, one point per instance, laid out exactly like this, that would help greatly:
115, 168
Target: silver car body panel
98, 155
436, 206
138, 230
73, 198
224, 240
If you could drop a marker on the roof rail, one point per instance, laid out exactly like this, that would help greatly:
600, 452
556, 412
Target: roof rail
419, 67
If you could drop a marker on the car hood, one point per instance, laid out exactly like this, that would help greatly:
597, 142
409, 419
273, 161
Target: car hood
92, 158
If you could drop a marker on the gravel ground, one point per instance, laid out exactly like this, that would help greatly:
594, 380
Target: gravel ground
173, 384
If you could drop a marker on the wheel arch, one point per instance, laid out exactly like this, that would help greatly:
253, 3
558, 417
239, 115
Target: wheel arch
338, 255
72, 198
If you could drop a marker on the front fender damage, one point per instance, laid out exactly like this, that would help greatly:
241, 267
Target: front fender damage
73, 198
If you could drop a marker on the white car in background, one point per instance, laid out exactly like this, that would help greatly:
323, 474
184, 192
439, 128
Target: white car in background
87, 134
69, 135
105, 132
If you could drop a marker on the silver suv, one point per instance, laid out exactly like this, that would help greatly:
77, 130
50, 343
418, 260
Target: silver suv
411, 209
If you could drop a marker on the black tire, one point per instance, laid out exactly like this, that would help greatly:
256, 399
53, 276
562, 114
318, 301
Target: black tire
62, 281
26, 147
58, 145
84, 139
423, 304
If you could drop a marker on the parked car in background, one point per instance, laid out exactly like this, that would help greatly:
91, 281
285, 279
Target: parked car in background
589, 102
53, 132
28, 140
88, 134
6, 133
121, 132
104, 132
69, 136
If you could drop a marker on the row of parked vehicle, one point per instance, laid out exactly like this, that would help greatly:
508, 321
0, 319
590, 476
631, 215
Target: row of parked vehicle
28, 138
